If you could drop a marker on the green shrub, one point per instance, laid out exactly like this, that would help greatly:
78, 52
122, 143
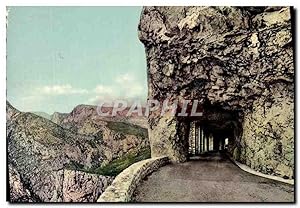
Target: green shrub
127, 128
116, 166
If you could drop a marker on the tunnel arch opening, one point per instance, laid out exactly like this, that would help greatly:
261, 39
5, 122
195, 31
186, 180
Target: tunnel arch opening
218, 130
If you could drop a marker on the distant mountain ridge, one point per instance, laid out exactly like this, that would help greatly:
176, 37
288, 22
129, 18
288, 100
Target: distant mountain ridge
84, 111
60, 160
84, 120
42, 114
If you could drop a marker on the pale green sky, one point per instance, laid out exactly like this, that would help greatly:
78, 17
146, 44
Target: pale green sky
59, 57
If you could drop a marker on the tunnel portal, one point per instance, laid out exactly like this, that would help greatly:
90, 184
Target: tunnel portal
216, 131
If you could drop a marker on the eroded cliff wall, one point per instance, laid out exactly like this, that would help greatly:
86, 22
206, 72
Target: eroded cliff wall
239, 59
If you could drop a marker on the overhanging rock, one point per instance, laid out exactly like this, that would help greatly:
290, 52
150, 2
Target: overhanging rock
236, 59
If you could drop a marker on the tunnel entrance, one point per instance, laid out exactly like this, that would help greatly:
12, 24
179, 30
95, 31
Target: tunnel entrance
206, 137
216, 131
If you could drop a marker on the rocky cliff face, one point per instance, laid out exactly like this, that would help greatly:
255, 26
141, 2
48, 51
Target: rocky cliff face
82, 112
44, 157
39, 153
233, 59
116, 135
42, 114
57, 117
69, 186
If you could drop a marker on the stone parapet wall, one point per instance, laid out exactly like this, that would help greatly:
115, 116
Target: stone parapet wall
122, 188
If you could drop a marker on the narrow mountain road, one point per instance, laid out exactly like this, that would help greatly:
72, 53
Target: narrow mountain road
213, 178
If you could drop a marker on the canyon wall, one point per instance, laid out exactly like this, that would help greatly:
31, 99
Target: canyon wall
233, 59
72, 160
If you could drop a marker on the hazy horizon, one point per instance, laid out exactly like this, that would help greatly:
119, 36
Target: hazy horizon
60, 57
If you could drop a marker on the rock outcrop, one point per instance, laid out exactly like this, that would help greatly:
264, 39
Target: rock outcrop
17, 191
83, 112
57, 117
237, 60
51, 163
117, 135
78, 186
70, 186
42, 114
39, 154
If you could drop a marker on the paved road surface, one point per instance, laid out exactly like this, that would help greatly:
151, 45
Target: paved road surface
210, 179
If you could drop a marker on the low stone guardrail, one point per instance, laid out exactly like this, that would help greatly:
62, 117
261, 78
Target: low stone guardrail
122, 188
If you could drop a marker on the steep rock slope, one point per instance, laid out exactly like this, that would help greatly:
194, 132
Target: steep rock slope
117, 135
63, 161
82, 112
42, 114
39, 154
236, 59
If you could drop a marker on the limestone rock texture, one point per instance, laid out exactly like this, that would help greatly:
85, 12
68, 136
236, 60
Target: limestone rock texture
237, 60
116, 135
39, 156
48, 162
78, 186
17, 191
56, 161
